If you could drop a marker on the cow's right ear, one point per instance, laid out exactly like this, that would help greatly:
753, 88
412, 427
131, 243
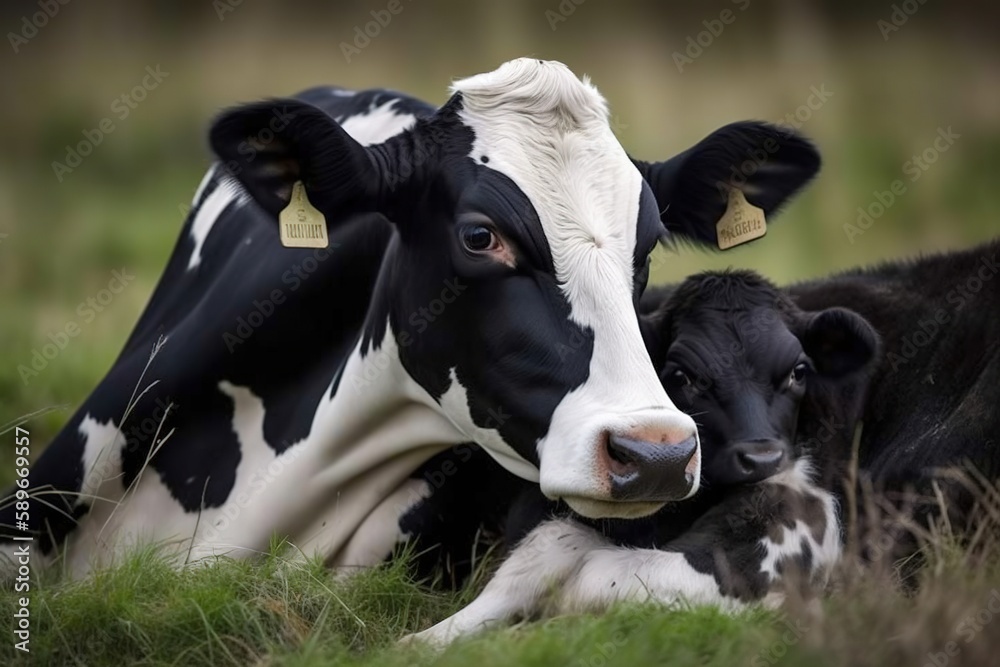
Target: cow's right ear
768, 163
268, 146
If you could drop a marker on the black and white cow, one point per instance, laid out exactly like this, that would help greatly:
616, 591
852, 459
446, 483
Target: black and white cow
765, 381
480, 284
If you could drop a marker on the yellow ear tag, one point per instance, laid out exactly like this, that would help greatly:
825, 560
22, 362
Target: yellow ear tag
741, 222
301, 223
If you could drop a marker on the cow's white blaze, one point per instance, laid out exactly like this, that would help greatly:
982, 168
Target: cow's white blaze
548, 132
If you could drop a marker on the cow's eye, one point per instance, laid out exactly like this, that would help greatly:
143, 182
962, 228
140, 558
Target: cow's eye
799, 373
479, 238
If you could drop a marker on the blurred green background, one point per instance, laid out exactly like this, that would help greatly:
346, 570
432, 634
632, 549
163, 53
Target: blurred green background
122, 207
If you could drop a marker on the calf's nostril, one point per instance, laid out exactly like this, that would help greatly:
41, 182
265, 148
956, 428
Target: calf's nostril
756, 461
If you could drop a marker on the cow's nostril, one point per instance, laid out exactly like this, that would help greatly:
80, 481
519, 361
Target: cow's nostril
622, 458
650, 471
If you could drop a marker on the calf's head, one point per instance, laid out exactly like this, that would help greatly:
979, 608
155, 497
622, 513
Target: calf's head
508, 292
739, 357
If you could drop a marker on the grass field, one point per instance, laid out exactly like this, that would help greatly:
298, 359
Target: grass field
278, 612
60, 241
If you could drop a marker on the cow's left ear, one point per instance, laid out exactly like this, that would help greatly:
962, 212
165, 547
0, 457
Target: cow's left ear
768, 163
839, 342
268, 146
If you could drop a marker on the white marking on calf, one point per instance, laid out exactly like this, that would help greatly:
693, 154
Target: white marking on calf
824, 554
548, 132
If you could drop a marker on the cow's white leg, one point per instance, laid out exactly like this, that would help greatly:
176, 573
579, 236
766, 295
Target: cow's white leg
535, 569
615, 574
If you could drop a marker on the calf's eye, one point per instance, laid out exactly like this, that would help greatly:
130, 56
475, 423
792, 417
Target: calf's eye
799, 373
479, 238
679, 378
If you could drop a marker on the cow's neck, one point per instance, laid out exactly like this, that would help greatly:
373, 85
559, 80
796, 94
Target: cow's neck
364, 442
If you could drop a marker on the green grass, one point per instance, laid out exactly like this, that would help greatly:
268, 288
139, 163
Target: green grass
274, 611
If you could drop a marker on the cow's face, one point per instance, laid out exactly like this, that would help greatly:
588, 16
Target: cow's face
524, 232
739, 358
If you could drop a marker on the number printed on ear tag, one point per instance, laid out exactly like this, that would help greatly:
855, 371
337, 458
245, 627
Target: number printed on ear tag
741, 222
301, 223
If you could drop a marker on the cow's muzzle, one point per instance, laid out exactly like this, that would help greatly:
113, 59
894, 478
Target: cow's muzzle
651, 471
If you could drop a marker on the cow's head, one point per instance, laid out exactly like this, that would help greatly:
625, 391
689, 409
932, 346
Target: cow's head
524, 232
738, 356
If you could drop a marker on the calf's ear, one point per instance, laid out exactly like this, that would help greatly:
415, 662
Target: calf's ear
839, 342
268, 146
768, 163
